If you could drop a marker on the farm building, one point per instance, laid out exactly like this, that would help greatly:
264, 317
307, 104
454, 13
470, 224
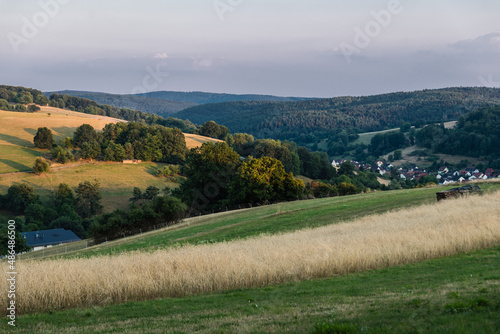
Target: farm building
49, 238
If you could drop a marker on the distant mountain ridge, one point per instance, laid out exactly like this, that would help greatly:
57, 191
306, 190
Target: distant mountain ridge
205, 98
164, 103
159, 107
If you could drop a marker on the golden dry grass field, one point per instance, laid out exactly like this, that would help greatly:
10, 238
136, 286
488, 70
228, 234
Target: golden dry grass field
17, 130
372, 242
17, 154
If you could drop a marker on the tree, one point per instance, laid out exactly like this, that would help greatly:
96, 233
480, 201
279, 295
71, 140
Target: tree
88, 199
21, 108
208, 169
398, 155
20, 242
264, 179
69, 223
44, 138
19, 197
347, 168
33, 108
90, 149
84, 133
61, 155
64, 195
35, 216
169, 208
41, 166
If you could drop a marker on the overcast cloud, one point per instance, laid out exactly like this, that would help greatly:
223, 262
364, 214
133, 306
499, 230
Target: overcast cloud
317, 48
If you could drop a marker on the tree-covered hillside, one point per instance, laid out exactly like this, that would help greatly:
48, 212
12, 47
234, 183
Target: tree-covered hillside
204, 98
311, 120
475, 135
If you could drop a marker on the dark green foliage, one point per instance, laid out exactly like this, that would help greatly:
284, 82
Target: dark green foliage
21, 108
143, 142
157, 210
33, 108
35, 217
148, 105
315, 165
90, 107
73, 223
90, 149
243, 143
347, 168
208, 169
168, 170
64, 195
6, 235
44, 138
19, 197
383, 143
477, 134
84, 134
4, 105
114, 152
61, 154
168, 208
214, 130
88, 199
41, 166
312, 120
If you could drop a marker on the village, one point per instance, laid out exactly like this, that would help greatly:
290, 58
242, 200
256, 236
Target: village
444, 175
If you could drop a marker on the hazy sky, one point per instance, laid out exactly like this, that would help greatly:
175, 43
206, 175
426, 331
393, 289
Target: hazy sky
316, 48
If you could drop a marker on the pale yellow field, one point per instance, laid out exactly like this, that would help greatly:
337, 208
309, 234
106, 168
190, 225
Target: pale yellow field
17, 130
20, 128
193, 141
373, 242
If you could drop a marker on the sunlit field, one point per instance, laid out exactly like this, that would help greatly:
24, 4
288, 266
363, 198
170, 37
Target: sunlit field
372, 242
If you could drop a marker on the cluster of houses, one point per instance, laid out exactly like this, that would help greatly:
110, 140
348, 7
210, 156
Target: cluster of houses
444, 174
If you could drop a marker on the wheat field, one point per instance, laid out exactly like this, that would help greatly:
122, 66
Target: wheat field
373, 242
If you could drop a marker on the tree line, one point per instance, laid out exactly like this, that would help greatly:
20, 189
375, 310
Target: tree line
475, 135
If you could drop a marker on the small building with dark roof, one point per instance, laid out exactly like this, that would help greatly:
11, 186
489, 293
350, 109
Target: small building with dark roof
48, 238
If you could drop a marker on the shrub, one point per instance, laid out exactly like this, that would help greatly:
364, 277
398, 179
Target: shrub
41, 166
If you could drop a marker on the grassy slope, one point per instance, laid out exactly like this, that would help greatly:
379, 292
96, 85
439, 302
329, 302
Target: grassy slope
273, 219
411, 298
117, 180
17, 153
17, 130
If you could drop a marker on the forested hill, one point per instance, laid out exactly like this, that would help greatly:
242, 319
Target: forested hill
164, 103
161, 107
204, 98
290, 120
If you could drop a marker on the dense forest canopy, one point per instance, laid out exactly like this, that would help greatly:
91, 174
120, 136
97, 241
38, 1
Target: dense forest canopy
312, 120
475, 135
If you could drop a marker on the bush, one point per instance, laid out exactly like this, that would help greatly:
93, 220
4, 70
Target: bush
168, 170
41, 166
44, 138
61, 155
33, 108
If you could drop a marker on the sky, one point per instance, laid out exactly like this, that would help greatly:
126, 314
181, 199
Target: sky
315, 48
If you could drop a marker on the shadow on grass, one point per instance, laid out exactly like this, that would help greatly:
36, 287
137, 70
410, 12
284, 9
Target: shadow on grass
64, 131
16, 165
15, 140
